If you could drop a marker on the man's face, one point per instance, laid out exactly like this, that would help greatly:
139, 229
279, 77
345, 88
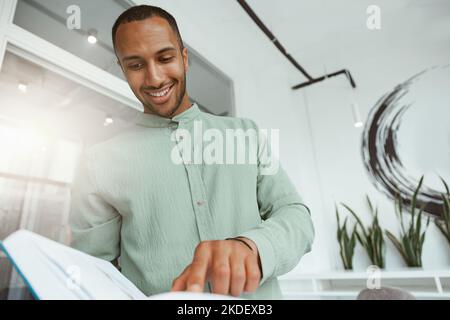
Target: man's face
154, 66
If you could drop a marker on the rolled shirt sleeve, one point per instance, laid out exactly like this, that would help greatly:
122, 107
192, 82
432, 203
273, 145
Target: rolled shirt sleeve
286, 232
95, 224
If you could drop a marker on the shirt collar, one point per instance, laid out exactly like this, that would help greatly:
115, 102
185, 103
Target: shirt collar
155, 121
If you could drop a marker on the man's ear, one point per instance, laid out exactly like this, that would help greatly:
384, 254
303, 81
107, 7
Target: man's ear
185, 55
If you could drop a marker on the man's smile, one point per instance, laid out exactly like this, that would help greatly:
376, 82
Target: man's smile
160, 96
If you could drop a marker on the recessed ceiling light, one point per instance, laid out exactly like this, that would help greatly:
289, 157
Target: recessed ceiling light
92, 36
108, 121
357, 122
22, 87
65, 102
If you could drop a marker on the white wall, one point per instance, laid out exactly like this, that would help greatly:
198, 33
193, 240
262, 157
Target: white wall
409, 41
320, 148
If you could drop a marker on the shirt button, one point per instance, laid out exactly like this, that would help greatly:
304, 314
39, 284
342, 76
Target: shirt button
200, 202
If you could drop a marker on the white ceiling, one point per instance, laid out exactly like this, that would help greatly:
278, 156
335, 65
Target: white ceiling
312, 31
316, 31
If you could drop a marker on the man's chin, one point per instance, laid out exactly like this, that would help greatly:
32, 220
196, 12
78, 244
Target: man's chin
161, 111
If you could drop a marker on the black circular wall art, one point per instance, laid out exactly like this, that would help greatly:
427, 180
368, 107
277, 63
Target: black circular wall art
407, 135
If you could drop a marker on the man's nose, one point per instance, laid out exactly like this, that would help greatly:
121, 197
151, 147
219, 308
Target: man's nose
154, 76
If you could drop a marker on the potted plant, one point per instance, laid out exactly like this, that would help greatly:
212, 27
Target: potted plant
371, 238
411, 239
347, 242
443, 224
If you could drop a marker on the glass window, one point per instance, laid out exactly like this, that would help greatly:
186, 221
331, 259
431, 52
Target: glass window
45, 122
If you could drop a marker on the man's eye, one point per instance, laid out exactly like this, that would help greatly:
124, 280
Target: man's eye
135, 66
166, 59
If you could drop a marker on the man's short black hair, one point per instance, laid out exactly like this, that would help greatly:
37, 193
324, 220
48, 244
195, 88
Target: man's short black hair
142, 12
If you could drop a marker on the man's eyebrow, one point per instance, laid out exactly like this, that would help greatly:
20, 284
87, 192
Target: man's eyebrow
166, 49
158, 52
131, 58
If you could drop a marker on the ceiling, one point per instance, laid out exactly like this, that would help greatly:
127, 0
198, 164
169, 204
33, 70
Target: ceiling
319, 32
315, 32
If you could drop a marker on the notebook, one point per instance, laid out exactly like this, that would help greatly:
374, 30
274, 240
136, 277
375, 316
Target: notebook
53, 271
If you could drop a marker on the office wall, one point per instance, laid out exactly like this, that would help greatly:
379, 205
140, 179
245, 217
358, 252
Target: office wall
409, 42
319, 146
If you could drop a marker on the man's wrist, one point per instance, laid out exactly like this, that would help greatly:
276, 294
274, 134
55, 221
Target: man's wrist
243, 242
250, 243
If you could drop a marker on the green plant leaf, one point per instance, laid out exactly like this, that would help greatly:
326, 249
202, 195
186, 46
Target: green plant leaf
399, 212
446, 186
442, 229
408, 250
358, 220
397, 245
414, 198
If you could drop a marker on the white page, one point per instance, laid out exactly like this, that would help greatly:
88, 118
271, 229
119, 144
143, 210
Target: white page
48, 266
184, 295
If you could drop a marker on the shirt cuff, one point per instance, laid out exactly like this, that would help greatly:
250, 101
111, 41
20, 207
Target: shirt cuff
265, 251
100, 241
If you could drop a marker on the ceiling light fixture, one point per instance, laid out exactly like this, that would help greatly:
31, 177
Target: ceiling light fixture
108, 121
276, 43
357, 122
23, 87
92, 36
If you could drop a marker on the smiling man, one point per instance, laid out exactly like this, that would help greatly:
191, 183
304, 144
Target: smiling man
221, 228
157, 72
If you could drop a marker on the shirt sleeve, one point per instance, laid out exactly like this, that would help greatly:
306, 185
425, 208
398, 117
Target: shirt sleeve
286, 232
95, 224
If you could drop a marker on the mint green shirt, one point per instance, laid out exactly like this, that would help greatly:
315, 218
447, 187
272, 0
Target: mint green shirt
131, 201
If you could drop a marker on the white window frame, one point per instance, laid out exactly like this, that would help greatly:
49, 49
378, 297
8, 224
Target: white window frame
37, 50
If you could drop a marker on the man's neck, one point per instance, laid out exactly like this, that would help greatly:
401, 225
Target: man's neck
182, 109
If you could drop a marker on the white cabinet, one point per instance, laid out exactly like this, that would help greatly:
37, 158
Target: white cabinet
423, 284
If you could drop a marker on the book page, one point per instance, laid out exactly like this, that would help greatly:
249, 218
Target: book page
184, 295
55, 271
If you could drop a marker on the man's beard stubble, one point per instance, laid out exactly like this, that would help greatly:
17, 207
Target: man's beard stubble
149, 107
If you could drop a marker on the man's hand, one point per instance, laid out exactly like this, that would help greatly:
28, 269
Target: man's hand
229, 265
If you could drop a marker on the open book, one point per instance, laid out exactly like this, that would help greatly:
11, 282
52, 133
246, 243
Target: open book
54, 271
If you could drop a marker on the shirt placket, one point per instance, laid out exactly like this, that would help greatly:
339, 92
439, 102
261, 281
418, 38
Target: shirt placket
199, 197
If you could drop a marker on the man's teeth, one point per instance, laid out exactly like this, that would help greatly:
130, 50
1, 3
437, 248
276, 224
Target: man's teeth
161, 93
